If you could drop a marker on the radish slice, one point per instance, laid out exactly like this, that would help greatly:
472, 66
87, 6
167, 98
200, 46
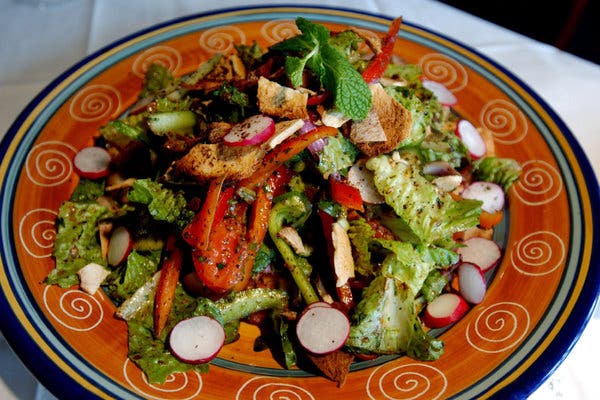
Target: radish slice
119, 246
322, 330
471, 137
362, 178
471, 282
445, 310
197, 339
253, 130
491, 194
92, 162
483, 252
438, 168
317, 304
444, 96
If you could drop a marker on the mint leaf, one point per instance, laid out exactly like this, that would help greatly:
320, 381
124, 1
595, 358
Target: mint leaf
314, 50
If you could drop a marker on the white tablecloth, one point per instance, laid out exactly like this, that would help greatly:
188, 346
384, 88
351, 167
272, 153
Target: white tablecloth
37, 43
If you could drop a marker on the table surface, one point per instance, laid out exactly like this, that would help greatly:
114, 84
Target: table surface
60, 33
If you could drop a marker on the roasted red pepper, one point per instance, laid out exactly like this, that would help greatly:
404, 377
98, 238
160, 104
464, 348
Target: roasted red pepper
284, 152
345, 194
165, 291
381, 60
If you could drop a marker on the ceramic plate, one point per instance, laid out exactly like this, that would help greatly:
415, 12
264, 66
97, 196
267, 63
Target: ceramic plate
537, 304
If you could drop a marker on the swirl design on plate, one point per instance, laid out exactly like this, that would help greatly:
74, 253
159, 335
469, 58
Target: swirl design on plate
37, 231
95, 103
74, 308
166, 56
540, 183
409, 381
276, 31
445, 70
498, 327
221, 39
504, 120
267, 388
179, 382
538, 253
50, 163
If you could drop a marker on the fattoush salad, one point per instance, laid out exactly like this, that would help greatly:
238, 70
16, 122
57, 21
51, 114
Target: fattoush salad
319, 188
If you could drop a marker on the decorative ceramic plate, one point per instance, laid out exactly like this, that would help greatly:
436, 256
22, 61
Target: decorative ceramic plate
537, 304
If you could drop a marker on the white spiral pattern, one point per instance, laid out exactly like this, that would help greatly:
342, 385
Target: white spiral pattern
505, 121
75, 309
538, 253
445, 70
266, 388
540, 183
407, 382
179, 382
221, 39
276, 31
37, 231
498, 327
166, 56
94, 103
50, 163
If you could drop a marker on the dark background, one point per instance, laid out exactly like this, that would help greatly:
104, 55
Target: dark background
571, 25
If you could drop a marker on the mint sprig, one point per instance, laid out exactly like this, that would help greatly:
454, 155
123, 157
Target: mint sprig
312, 50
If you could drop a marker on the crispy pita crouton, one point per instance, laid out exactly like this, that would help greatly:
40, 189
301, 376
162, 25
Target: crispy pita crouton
280, 101
394, 118
207, 161
334, 366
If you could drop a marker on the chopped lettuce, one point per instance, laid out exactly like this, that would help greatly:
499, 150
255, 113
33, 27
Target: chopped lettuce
385, 322
503, 171
432, 215
424, 112
443, 146
163, 203
138, 269
337, 155
88, 191
76, 243
158, 81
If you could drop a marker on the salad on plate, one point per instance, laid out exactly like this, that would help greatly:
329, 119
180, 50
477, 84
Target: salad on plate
321, 189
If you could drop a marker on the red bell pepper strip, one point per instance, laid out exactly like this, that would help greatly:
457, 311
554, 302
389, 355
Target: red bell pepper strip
345, 194
381, 60
284, 152
165, 290
197, 232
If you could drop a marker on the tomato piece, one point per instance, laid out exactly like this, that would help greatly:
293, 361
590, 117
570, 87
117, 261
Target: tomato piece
381, 60
345, 194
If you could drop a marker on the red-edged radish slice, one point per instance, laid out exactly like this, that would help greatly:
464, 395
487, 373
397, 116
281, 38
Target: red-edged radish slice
92, 162
491, 194
471, 282
483, 252
253, 130
471, 137
438, 168
119, 246
444, 96
197, 339
322, 330
445, 310
317, 304
362, 178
